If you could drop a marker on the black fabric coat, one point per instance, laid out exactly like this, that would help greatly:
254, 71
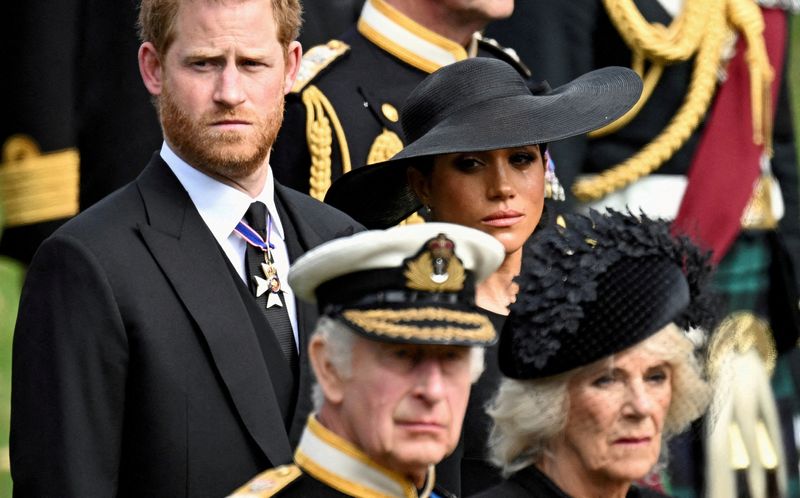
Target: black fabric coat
137, 368
531, 483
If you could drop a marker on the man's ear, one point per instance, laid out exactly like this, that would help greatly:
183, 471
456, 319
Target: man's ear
420, 184
150, 67
294, 54
329, 379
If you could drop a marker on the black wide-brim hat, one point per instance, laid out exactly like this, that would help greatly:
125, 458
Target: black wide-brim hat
475, 105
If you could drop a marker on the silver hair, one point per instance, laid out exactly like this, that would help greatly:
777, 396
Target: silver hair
529, 414
339, 339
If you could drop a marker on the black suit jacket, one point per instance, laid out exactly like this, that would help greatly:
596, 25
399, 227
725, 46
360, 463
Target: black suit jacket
136, 366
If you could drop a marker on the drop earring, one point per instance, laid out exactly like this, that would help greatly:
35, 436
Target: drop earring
552, 187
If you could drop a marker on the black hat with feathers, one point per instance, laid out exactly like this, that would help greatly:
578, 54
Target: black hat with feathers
598, 285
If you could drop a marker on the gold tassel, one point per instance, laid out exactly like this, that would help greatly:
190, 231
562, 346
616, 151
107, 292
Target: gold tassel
320, 118
386, 145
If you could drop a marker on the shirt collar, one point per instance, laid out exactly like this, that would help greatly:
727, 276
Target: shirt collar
407, 40
221, 206
336, 462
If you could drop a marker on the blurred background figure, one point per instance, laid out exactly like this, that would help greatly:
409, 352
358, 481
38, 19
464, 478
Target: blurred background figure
597, 353
711, 145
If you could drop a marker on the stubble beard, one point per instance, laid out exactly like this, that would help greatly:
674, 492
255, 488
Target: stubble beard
228, 154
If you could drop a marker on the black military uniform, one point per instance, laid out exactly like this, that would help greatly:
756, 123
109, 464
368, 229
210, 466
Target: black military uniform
342, 111
328, 466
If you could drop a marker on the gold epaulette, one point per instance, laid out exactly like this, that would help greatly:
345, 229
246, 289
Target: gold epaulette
269, 482
36, 187
315, 60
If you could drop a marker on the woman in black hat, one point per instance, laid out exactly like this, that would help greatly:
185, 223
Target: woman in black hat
475, 155
599, 362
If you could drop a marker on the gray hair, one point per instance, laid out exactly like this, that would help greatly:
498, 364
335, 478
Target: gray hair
529, 414
339, 339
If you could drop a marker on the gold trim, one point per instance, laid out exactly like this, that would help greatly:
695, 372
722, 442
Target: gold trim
342, 484
700, 31
386, 145
270, 482
739, 332
320, 117
338, 483
316, 59
389, 323
36, 187
758, 214
390, 112
420, 274
398, 51
398, 18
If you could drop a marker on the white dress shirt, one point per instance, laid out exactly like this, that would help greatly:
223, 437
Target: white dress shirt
222, 207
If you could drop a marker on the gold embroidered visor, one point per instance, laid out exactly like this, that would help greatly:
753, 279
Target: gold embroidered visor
411, 284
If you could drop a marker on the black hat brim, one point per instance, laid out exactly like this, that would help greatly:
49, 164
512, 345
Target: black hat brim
379, 196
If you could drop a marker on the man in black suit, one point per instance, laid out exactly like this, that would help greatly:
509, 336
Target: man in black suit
143, 366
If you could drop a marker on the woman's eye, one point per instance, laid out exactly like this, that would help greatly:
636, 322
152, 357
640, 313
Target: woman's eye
522, 159
467, 163
603, 381
657, 377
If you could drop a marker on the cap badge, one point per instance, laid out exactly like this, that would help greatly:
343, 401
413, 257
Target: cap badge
436, 268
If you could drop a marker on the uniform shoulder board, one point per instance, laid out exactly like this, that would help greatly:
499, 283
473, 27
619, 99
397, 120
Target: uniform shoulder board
269, 483
316, 59
504, 53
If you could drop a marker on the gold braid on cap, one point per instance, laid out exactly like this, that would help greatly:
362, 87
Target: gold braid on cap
700, 31
320, 116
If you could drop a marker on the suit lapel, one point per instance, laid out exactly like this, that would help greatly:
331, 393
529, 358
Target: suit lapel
299, 238
190, 257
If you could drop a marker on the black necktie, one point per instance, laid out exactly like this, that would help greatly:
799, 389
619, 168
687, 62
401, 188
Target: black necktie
277, 316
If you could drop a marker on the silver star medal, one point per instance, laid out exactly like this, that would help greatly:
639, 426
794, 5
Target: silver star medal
270, 285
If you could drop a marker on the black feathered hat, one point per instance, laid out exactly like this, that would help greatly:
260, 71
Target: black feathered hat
597, 286
476, 105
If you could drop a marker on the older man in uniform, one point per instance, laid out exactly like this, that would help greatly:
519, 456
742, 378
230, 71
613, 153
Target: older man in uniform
342, 111
395, 351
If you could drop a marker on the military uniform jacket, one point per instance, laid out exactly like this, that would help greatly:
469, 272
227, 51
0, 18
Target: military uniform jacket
328, 466
343, 110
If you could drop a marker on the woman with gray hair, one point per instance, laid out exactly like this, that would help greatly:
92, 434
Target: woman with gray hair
599, 364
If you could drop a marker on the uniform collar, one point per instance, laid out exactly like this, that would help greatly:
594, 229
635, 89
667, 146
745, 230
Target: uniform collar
337, 463
221, 206
407, 40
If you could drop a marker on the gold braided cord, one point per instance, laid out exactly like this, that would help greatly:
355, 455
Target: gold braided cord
745, 17
661, 44
320, 117
679, 129
453, 325
386, 145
